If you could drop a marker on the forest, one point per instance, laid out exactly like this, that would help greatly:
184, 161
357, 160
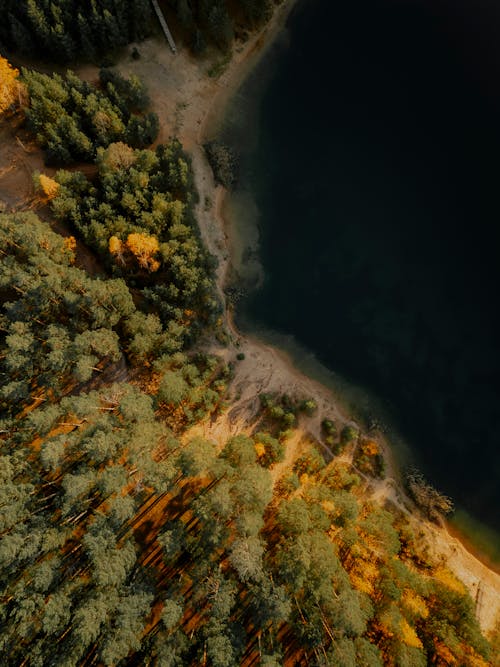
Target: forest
127, 538
67, 30
123, 541
64, 30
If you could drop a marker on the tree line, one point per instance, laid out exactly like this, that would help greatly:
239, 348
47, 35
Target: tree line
216, 22
71, 118
68, 30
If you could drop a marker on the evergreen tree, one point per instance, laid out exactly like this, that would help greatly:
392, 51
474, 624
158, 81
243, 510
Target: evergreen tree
71, 119
64, 29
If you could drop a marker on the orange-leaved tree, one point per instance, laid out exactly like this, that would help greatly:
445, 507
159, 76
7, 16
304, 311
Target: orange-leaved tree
48, 186
10, 87
142, 247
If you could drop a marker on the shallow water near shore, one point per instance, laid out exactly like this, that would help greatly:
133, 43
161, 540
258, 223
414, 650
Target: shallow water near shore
370, 142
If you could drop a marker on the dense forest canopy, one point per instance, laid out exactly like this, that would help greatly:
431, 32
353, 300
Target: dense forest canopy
137, 212
125, 540
71, 118
138, 215
68, 30
125, 545
57, 323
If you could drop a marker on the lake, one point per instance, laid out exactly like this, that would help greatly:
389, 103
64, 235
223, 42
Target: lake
370, 166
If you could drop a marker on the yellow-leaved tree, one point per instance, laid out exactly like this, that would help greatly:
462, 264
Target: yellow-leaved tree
115, 245
49, 187
144, 247
9, 85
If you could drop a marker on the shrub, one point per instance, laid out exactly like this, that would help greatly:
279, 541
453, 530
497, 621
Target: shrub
223, 162
433, 503
349, 434
309, 406
269, 450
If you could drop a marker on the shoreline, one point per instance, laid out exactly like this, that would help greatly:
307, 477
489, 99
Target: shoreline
345, 398
472, 566
242, 63
456, 533
191, 105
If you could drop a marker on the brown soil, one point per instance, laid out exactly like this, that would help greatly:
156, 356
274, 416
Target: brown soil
19, 158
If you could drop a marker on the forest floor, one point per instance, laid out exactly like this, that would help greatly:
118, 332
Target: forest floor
190, 103
19, 158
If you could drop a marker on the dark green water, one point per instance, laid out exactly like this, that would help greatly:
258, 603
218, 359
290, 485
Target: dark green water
375, 167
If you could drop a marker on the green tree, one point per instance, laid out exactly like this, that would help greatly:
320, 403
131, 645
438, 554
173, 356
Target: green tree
173, 388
